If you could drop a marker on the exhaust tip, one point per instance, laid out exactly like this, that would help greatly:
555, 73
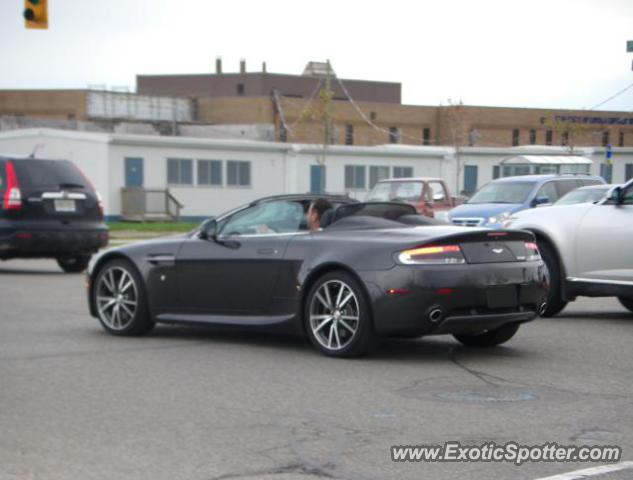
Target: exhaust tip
542, 308
435, 315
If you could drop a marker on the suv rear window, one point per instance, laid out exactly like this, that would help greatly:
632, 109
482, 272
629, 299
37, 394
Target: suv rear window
48, 174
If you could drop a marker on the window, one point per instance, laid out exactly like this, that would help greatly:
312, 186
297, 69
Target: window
349, 134
373, 116
605, 138
532, 137
515, 137
179, 171
240, 89
628, 172
238, 173
265, 218
209, 172
548, 137
565, 139
548, 191
393, 134
426, 136
376, 174
496, 172
402, 172
437, 192
621, 139
566, 186
628, 196
355, 177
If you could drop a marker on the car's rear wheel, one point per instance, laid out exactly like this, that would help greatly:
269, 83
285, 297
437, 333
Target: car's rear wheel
490, 338
626, 303
337, 316
75, 264
555, 302
119, 298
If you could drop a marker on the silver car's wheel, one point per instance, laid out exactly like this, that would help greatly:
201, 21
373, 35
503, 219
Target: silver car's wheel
334, 315
117, 298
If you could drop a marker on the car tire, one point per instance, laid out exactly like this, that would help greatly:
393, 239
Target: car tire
74, 264
337, 316
491, 338
119, 298
626, 303
555, 302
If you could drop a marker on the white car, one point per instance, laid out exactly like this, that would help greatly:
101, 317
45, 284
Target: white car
587, 247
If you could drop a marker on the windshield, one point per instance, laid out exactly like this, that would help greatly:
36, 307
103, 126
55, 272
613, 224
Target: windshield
503, 192
588, 195
393, 191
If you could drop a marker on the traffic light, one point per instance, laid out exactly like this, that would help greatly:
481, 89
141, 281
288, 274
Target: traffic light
35, 14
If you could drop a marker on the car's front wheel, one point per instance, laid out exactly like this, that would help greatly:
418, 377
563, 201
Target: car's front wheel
75, 264
626, 303
119, 298
337, 316
490, 338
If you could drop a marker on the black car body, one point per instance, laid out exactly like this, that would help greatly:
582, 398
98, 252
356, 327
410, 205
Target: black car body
406, 275
49, 209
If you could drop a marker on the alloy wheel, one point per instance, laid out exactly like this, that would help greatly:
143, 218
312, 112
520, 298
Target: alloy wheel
116, 298
334, 315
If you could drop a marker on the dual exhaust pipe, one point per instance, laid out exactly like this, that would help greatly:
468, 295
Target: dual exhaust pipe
436, 314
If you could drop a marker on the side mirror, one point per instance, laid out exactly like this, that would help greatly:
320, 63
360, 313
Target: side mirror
540, 201
616, 196
208, 229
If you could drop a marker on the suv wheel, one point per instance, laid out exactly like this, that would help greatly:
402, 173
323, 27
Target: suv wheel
626, 303
74, 264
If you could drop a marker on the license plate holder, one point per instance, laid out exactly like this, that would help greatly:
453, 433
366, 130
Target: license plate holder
502, 296
65, 206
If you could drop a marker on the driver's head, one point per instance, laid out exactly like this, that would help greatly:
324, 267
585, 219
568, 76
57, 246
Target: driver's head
316, 211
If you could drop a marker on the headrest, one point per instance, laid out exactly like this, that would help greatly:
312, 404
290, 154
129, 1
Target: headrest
327, 217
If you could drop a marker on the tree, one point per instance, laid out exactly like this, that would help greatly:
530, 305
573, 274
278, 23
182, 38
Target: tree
568, 129
457, 136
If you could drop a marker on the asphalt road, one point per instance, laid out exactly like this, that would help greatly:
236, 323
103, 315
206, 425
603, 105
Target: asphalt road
76, 403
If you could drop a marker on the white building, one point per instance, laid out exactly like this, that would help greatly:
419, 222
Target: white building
210, 176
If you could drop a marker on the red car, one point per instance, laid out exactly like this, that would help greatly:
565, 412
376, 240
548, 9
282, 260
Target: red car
429, 196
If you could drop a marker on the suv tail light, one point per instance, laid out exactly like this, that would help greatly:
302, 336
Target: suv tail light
532, 251
12, 195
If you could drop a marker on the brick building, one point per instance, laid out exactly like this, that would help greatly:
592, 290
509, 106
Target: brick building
292, 105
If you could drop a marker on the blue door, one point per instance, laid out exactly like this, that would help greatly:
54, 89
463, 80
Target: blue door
317, 178
133, 172
470, 178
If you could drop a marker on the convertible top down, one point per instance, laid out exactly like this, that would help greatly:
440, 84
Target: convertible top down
373, 269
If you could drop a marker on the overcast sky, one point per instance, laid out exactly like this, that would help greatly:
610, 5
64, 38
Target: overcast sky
533, 53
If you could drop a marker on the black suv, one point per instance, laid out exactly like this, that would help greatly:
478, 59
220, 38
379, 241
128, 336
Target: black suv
49, 209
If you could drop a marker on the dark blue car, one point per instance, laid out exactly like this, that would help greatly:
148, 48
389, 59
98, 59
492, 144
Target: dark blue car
496, 201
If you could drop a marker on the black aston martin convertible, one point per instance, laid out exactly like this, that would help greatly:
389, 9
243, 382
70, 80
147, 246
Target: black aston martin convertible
373, 269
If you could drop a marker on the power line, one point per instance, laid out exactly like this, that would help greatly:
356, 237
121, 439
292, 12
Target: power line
617, 94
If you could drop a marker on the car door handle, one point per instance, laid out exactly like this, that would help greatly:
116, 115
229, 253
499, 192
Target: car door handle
267, 251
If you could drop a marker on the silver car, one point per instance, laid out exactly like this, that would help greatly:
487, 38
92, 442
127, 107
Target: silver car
587, 247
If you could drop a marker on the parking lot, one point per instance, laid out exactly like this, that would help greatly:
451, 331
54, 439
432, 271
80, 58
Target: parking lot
184, 403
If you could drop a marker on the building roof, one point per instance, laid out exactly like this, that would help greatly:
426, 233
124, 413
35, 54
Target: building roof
547, 160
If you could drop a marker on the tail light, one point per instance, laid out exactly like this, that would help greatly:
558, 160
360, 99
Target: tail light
12, 194
432, 255
532, 251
